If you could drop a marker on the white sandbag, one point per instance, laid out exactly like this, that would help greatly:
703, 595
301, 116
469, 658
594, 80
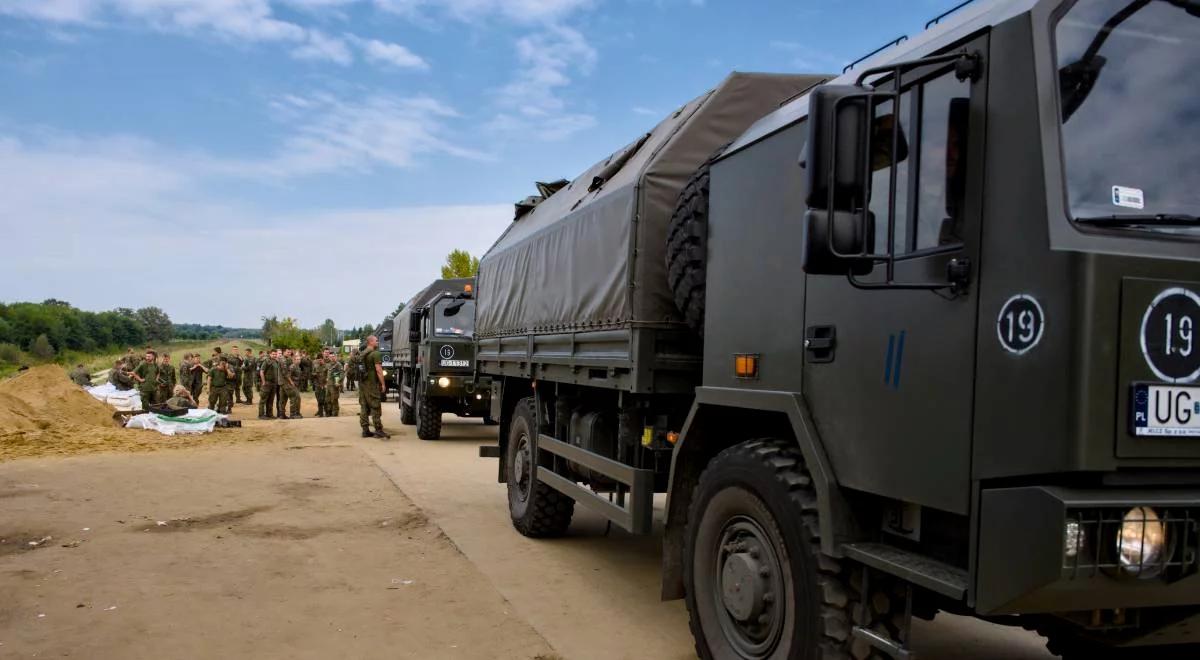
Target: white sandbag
119, 399
197, 420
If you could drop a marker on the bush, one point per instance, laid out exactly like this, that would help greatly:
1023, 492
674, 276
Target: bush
41, 347
10, 354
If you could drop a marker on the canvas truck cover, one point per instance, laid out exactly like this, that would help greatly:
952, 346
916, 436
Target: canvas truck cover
591, 256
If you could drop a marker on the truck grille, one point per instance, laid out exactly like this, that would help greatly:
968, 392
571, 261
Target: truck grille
1097, 546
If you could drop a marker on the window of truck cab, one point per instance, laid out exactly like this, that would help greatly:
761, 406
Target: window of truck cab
1128, 75
454, 318
929, 187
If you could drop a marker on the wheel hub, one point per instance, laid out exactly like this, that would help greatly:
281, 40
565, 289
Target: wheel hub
748, 588
743, 587
521, 469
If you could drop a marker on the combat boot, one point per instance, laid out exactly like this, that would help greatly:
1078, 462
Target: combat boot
380, 433
366, 432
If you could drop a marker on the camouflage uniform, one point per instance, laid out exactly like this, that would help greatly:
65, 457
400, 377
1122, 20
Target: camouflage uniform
81, 377
148, 386
249, 378
318, 385
333, 387
235, 383
306, 370
370, 391
218, 386
270, 388
120, 378
165, 382
291, 388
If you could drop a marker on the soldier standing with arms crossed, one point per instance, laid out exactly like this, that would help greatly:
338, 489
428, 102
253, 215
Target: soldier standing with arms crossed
146, 376
270, 385
371, 389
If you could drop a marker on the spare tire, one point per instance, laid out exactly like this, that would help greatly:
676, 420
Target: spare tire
687, 247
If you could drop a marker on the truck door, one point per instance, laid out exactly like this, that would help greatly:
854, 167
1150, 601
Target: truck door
893, 398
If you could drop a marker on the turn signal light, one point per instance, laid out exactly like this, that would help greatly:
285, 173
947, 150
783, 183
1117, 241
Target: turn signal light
745, 365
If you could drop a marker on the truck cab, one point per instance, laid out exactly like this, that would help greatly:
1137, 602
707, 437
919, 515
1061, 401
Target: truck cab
436, 367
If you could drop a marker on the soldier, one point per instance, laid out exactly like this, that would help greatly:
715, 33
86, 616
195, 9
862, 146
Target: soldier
182, 398
130, 359
291, 390
120, 376
318, 383
333, 384
219, 376
195, 380
306, 364
165, 380
235, 384
270, 380
146, 376
354, 371
80, 376
371, 390
249, 376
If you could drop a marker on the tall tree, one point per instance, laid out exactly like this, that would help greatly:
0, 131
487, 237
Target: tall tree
460, 263
327, 332
157, 323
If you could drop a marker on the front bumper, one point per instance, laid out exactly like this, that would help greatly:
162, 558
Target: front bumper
1023, 567
475, 397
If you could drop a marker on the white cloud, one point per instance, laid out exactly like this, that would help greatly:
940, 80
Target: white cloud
641, 110
332, 134
390, 54
91, 211
517, 11
533, 102
319, 46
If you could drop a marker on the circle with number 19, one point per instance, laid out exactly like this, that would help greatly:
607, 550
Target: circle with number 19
1020, 324
1169, 341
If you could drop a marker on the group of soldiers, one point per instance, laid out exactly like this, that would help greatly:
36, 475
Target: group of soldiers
279, 377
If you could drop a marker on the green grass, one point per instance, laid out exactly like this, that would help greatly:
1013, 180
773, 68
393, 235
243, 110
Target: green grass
100, 361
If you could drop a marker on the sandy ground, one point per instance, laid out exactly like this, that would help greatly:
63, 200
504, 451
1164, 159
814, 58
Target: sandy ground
300, 539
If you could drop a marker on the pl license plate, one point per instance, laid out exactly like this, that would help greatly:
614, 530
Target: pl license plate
454, 363
1166, 410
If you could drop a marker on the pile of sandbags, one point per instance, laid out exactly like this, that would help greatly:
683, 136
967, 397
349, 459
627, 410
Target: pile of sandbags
196, 420
120, 399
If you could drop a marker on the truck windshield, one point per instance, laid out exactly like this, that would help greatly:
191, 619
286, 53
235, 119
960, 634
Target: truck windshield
1128, 75
454, 318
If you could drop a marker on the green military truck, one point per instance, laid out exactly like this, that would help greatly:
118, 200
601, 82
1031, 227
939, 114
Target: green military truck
921, 339
435, 364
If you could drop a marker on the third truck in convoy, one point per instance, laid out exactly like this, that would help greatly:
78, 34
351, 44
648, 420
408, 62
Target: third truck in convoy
920, 337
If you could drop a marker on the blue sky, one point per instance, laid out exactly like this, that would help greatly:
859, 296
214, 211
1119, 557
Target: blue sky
228, 159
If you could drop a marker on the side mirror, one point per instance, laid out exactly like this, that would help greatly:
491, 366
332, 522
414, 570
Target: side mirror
837, 140
414, 326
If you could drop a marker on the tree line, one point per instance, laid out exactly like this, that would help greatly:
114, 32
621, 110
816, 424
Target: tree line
52, 326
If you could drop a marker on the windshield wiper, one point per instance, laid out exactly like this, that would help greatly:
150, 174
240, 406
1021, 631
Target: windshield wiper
1147, 220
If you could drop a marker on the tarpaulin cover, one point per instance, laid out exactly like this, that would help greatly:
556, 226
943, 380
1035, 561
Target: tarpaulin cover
595, 259
197, 420
119, 399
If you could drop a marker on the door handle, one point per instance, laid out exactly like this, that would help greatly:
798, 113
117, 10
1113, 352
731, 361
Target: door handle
820, 343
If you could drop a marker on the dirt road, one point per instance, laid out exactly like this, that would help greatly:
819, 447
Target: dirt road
318, 543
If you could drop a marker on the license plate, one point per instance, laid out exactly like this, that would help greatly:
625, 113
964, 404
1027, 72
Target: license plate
454, 363
1166, 410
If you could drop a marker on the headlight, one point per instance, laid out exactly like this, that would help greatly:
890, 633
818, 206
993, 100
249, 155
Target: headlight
1074, 540
443, 382
1142, 543
479, 396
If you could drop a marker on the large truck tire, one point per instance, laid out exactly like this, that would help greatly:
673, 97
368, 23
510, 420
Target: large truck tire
429, 417
537, 510
757, 583
687, 247
408, 416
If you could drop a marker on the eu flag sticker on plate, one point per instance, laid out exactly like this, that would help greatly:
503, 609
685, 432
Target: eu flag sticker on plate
1130, 198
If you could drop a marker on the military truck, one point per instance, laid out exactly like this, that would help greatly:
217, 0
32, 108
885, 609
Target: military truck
436, 362
384, 332
921, 339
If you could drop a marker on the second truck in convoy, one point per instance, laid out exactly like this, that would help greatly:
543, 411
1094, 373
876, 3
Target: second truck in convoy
921, 338
434, 355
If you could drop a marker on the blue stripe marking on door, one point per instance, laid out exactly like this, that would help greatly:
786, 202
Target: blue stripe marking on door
899, 360
887, 364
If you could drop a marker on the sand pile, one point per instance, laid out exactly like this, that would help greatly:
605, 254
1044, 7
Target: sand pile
42, 413
43, 398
